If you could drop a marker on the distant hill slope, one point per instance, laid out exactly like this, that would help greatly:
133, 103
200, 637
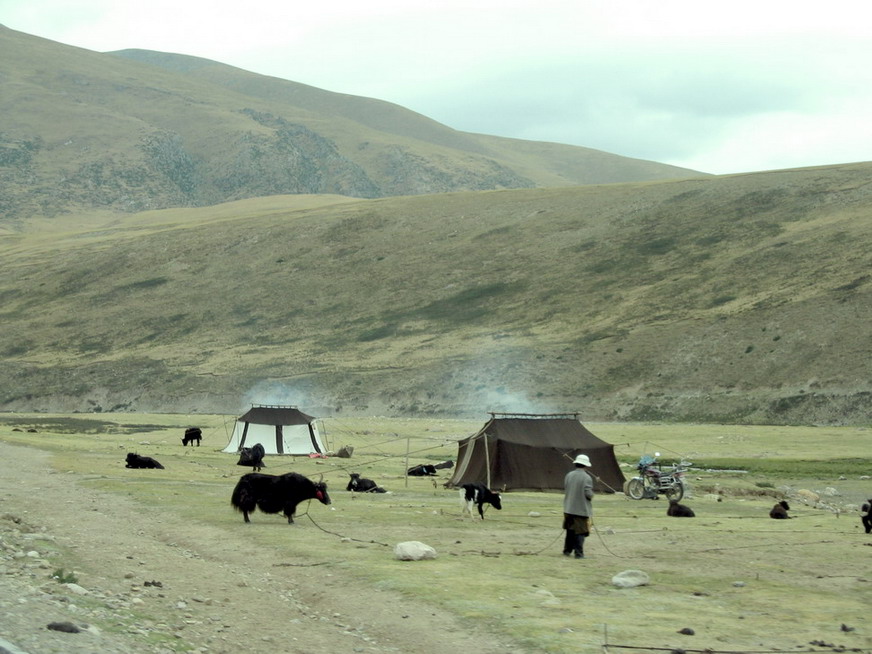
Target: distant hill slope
741, 298
138, 130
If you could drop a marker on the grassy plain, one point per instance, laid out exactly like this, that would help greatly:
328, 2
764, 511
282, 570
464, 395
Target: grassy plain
740, 580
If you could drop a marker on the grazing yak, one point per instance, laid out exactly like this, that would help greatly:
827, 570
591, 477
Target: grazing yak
477, 495
276, 493
136, 461
422, 470
677, 510
252, 456
779, 511
192, 434
360, 484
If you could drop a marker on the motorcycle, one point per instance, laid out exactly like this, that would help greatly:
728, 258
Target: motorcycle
653, 481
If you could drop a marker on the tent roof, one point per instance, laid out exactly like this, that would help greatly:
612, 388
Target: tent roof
262, 414
551, 430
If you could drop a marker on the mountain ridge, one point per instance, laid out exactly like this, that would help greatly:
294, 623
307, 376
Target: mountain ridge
137, 130
735, 299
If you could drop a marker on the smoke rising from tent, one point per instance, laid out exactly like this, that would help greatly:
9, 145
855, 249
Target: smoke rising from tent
279, 394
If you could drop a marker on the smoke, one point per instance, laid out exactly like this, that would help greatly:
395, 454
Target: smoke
279, 393
505, 382
501, 400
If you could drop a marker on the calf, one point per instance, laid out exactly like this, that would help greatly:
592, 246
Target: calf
779, 511
477, 494
422, 470
192, 434
136, 461
252, 456
276, 493
677, 510
360, 484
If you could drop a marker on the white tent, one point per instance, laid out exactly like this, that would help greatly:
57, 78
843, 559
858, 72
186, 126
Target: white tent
280, 429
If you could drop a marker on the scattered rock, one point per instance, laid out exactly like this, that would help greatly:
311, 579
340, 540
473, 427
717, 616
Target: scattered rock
687, 631
808, 496
67, 627
533, 514
631, 579
414, 550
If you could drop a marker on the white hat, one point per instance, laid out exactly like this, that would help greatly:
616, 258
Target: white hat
582, 459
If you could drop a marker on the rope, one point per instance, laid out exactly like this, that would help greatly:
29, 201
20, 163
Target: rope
333, 533
709, 650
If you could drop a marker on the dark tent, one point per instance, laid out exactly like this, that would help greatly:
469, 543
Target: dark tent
519, 451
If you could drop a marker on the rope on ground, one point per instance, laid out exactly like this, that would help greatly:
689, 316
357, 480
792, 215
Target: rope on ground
333, 533
607, 646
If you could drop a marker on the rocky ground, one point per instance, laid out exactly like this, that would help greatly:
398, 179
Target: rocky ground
150, 583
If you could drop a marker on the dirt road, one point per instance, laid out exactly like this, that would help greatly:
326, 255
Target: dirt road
154, 583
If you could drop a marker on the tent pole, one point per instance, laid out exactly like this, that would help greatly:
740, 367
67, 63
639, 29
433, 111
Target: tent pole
407, 460
486, 460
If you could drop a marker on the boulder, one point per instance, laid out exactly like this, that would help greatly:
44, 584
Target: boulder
631, 579
414, 550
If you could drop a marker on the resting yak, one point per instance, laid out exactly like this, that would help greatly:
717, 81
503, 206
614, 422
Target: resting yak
422, 470
677, 510
136, 461
276, 493
779, 511
360, 484
252, 456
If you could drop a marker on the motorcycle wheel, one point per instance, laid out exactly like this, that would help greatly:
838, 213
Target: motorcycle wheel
635, 489
676, 492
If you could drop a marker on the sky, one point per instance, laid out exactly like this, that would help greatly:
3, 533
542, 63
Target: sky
718, 87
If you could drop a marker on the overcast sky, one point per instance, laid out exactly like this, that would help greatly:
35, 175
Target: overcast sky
720, 87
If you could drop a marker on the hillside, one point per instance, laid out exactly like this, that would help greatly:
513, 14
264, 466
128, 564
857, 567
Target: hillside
732, 299
138, 130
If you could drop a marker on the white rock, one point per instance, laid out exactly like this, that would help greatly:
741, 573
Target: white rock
631, 579
533, 514
414, 550
78, 590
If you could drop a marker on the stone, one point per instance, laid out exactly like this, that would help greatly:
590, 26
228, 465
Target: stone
631, 579
414, 550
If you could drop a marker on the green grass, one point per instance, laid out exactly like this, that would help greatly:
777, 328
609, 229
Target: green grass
507, 573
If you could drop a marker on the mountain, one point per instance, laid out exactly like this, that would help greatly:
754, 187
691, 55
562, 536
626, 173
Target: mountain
138, 130
732, 299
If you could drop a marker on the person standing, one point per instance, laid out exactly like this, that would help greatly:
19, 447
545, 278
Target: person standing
578, 493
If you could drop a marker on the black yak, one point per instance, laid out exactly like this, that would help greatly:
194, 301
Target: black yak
866, 515
192, 434
677, 510
136, 461
276, 493
477, 495
422, 470
360, 484
252, 456
779, 511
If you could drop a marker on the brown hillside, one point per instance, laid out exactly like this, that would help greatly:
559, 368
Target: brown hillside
136, 130
742, 298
